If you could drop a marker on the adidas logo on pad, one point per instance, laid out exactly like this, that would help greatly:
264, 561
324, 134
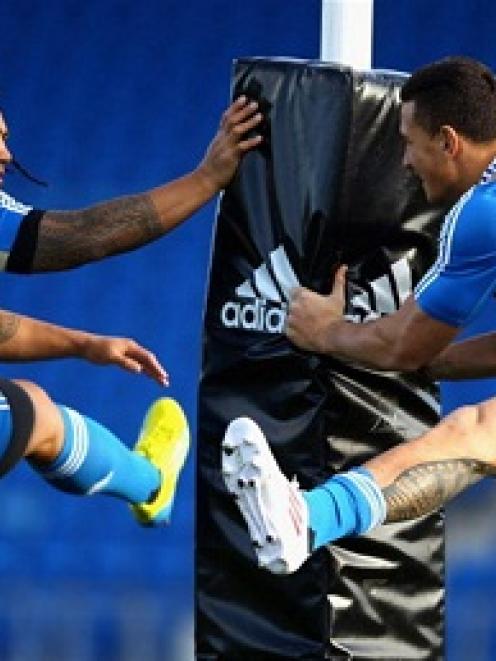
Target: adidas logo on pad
381, 296
264, 297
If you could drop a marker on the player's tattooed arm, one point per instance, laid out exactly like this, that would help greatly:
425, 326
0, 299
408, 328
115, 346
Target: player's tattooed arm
67, 239
9, 323
70, 238
24, 338
426, 487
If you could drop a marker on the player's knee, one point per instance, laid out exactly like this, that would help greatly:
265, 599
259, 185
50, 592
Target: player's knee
36, 394
48, 426
17, 424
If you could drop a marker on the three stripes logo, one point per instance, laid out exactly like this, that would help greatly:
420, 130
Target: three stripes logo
263, 298
381, 296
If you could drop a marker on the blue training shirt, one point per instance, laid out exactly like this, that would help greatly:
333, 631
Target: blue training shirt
464, 273
12, 213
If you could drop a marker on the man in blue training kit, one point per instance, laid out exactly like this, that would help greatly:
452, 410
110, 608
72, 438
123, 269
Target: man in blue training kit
448, 123
73, 452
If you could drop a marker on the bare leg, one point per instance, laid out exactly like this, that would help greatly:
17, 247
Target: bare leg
47, 436
78, 455
419, 476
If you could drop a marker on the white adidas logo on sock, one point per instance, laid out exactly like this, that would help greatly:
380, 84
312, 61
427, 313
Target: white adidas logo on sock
267, 292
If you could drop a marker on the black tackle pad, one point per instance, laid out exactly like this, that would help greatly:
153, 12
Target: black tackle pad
326, 187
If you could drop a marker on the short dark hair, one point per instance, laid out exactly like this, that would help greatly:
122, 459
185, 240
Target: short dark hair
455, 91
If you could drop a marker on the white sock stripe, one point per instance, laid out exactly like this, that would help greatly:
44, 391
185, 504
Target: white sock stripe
79, 449
73, 458
373, 495
375, 498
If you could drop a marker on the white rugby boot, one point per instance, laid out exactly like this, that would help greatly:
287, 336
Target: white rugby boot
272, 506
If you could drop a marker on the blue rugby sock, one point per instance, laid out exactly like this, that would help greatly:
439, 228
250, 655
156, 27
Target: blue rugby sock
348, 503
93, 460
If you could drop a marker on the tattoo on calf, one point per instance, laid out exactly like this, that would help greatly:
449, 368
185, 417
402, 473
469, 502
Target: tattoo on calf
426, 487
9, 323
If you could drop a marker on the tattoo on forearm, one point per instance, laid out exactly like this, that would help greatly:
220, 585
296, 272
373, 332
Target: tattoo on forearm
424, 488
9, 323
70, 238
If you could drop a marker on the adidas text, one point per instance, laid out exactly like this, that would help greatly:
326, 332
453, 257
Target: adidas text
258, 315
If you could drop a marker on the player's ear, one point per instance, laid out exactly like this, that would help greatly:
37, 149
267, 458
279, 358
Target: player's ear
449, 140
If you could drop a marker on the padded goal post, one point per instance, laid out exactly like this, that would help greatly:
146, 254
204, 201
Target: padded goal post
326, 187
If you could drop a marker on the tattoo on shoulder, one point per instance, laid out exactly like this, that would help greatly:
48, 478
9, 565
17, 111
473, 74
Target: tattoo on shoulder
426, 487
9, 323
70, 238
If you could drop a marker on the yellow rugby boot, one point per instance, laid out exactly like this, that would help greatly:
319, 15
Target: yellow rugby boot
164, 441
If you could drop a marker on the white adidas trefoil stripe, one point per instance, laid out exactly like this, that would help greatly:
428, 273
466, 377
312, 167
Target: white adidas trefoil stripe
284, 271
275, 288
365, 308
263, 299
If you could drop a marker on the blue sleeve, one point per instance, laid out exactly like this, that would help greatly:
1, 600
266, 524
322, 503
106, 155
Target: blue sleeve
12, 213
464, 274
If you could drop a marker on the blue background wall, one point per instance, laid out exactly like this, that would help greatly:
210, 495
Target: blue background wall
107, 98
